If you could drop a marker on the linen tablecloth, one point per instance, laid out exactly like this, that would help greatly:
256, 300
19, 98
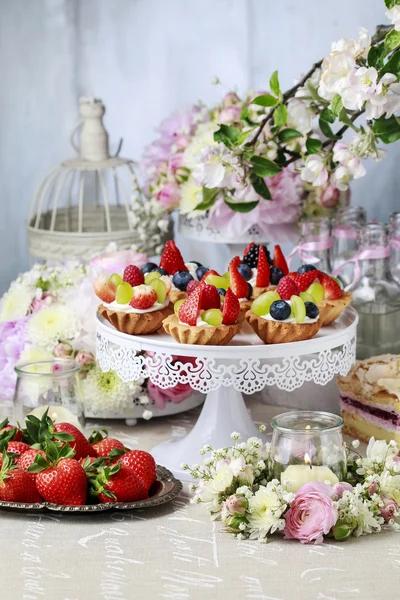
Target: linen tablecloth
175, 552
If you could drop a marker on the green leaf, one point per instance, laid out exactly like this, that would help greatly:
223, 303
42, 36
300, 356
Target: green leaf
326, 129
344, 118
274, 84
264, 167
289, 134
392, 41
242, 207
209, 196
336, 105
376, 55
328, 116
280, 115
243, 136
227, 135
314, 94
391, 3
392, 65
313, 145
260, 186
63, 436
245, 113
265, 100
388, 130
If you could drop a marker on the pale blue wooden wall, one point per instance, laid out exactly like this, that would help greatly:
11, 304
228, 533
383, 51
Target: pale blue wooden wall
144, 58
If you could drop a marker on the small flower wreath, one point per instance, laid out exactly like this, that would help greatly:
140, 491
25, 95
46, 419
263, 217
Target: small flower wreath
236, 487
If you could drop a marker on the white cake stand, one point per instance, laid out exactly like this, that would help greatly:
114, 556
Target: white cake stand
246, 365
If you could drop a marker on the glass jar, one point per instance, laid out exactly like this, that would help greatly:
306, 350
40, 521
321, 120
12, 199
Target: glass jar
52, 384
345, 233
394, 242
307, 446
375, 295
316, 242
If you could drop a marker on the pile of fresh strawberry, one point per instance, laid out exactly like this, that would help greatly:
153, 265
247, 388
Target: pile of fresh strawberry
55, 463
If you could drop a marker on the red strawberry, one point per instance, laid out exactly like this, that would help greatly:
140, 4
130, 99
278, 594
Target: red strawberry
287, 288
118, 484
236, 261
17, 447
247, 249
333, 291
263, 272
239, 285
171, 259
13, 433
230, 309
133, 275
189, 310
104, 289
304, 280
144, 296
142, 464
210, 272
28, 458
80, 444
105, 446
17, 485
210, 297
192, 285
279, 260
64, 482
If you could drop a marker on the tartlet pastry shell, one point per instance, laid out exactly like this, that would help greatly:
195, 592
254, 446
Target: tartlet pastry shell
205, 336
175, 295
330, 310
136, 323
277, 332
257, 291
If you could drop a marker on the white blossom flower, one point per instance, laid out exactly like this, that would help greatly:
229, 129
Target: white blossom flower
335, 70
52, 324
191, 196
394, 16
204, 136
300, 115
217, 167
314, 171
147, 415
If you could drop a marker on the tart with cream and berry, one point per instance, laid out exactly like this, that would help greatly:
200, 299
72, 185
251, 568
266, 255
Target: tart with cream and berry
322, 289
282, 316
183, 276
260, 270
200, 319
134, 303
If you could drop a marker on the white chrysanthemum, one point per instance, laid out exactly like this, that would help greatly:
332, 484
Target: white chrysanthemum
33, 354
204, 136
191, 196
266, 509
51, 324
105, 392
15, 303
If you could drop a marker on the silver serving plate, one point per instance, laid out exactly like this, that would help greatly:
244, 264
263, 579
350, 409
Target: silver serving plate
165, 489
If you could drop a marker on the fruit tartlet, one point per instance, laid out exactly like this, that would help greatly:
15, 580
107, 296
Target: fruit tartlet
200, 319
134, 303
282, 316
322, 289
182, 276
262, 272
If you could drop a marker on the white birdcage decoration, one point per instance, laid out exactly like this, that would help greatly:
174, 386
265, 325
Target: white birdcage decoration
84, 204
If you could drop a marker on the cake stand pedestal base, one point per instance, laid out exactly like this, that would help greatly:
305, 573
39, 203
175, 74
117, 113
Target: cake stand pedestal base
224, 411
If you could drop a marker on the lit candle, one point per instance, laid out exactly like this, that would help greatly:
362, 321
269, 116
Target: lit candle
295, 476
58, 414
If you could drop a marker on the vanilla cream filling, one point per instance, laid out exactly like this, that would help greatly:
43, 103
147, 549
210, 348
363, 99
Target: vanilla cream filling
201, 323
128, 309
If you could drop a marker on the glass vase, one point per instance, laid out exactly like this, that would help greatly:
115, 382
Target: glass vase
375, 295
52, 385
307, 446
316, 242
394, 242
345, 233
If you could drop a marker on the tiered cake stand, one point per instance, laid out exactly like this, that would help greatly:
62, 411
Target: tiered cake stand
246, 365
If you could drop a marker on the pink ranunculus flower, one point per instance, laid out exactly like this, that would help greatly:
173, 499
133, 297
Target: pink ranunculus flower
340, 488
169, 195
311, 514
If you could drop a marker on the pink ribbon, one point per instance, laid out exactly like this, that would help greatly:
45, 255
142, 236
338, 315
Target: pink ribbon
346, 232
395, 243
363, 254
306, 247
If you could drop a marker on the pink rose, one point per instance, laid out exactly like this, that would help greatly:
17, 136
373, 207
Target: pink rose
63, 350
85, 359
311, 515
389, 508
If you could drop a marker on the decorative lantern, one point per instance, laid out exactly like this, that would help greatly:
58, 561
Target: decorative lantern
84, 203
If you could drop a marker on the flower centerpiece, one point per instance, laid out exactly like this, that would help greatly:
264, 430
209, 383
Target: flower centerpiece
264, 160
237, 487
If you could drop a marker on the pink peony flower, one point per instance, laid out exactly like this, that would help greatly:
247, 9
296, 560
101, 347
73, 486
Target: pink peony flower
389, 508
169, 195
115, 262
230, 114
311, 514
12, 342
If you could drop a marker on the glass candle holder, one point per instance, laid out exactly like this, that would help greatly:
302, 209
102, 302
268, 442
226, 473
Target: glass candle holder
307, 446
52, 385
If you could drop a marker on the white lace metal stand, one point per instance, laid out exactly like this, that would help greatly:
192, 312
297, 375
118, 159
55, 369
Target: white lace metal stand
246, 365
